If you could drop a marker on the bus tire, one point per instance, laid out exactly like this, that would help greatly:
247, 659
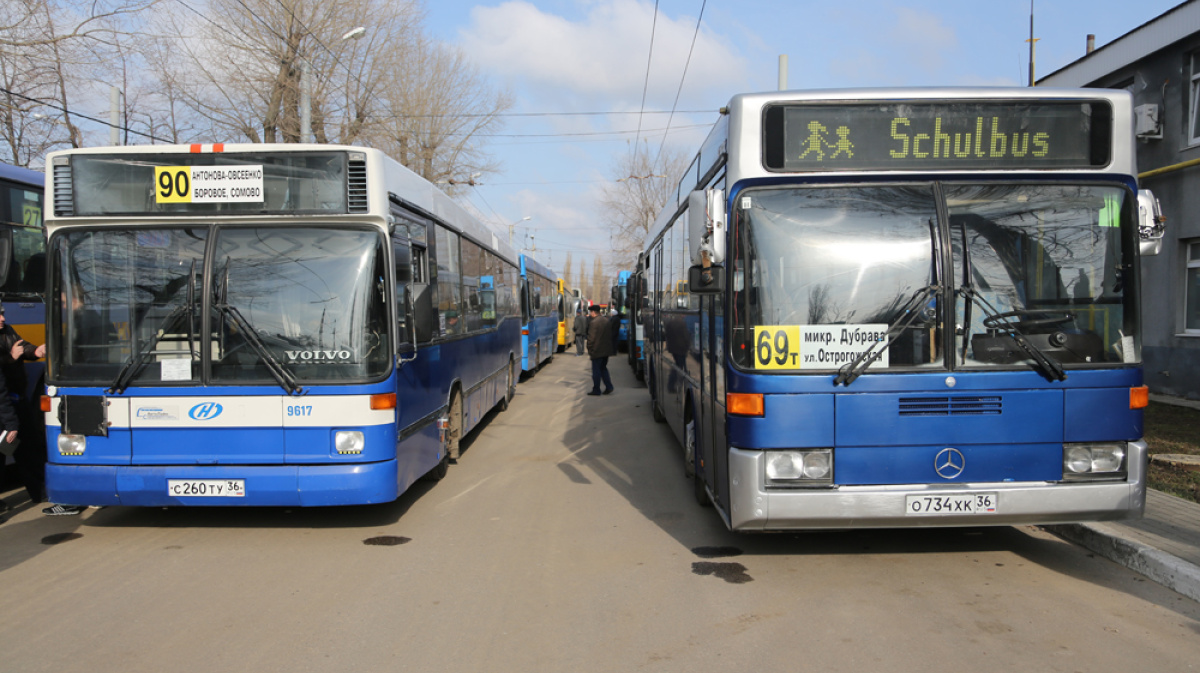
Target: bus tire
454, 432
689, 444
439, 471
510, 386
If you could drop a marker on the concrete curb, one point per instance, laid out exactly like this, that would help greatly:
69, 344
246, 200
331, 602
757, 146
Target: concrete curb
1169, 571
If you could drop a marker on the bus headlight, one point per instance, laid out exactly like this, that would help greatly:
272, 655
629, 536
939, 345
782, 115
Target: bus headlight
348, 442
1094, 461
799, 467
71, 445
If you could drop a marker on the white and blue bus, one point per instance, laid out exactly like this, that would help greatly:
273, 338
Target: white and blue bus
265, 325
905, 308
539, 314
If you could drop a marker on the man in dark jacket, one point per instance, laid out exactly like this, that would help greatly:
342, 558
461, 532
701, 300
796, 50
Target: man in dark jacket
26, 411
600, 347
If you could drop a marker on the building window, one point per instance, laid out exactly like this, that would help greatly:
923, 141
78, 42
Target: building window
1194, 116
1192, 291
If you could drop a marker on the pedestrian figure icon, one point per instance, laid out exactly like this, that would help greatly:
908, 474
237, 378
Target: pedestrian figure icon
843, 143
816, 141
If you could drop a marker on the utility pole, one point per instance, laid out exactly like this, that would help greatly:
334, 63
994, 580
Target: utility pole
1031, 41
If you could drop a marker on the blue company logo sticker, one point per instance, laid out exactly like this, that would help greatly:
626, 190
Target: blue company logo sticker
206, 411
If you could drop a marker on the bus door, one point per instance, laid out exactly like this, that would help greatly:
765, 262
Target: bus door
713, 449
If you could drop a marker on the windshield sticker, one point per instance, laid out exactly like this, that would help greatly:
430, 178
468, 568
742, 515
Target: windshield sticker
320, 356
815, 346
177, 369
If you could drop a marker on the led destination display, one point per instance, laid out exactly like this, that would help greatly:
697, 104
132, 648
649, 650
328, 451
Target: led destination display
917, 136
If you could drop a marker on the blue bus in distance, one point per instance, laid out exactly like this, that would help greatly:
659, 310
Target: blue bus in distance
539, 314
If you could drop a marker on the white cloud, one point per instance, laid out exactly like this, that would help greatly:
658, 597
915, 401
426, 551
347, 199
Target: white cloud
604, 54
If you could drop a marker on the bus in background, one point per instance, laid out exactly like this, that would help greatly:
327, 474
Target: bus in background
539, 314
23, 266
568, 305
636, 332
620, 295
905, 308
265, 325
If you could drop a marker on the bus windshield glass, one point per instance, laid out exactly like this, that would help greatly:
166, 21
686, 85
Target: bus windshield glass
137, 303
821, 275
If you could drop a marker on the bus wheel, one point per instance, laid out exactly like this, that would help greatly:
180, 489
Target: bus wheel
510, 386
439, 471
454, 432
689, 446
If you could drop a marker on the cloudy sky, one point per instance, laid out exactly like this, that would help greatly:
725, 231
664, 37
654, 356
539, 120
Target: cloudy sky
564, 58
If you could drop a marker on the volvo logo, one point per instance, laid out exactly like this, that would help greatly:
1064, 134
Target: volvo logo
206, 411
949, 463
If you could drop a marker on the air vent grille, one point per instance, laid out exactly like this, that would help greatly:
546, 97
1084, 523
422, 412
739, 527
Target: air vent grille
991, 405
64, 193
356, 187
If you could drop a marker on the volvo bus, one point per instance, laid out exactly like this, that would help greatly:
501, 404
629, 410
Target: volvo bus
288, 325
905, 308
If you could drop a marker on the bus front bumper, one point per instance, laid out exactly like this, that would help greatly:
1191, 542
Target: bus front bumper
264, 485
843, 507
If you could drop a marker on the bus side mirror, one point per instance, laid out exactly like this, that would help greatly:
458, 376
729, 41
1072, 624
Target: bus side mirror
706, 226
1151, 223
703, 280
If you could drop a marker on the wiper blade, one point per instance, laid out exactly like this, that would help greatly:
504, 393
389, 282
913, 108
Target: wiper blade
134, 365
281, 374
1048, 365
908, 313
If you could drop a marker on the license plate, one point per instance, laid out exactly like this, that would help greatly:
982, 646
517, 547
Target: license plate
207, 488
951, 504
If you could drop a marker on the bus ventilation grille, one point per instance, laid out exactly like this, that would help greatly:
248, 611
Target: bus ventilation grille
356, 187
64, 196
951, 406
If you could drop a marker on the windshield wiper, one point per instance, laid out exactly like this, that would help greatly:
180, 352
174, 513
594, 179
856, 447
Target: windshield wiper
281, 374
1051, 368
1048, 365
909, 312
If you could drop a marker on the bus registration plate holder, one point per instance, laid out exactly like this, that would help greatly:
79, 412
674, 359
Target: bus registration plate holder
951, 504
207, 488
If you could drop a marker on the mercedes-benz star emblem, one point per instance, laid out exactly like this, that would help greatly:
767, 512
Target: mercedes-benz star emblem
949, 463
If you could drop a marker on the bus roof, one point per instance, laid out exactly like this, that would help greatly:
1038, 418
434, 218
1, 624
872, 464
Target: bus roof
397, 180
22, 175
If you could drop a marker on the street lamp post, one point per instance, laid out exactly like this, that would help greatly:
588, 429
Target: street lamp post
306, 133
514, 224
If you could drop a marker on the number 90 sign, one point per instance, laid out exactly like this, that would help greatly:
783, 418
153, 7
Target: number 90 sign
172, 184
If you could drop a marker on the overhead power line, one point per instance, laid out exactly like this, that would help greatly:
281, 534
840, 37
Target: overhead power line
55, 106
646, 82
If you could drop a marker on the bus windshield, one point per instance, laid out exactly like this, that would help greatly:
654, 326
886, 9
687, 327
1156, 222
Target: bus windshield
132, 305
821, 274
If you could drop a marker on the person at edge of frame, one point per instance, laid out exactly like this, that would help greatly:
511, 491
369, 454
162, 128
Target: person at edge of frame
30, 453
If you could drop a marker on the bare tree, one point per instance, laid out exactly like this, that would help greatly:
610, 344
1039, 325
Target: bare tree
51, 52
439, 107
643, 182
